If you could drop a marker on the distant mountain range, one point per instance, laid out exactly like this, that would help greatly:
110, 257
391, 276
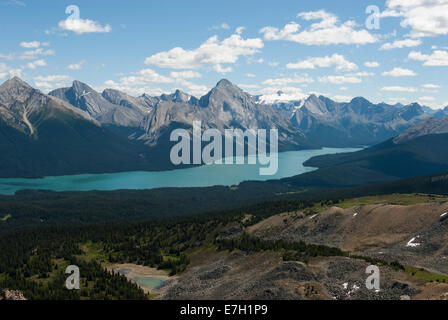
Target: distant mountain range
312, 122
111, 107
42, 135
78, 130
359, 122
420, 150
153, 118
225, 106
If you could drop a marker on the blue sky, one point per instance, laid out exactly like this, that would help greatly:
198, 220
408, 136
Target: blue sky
297, 47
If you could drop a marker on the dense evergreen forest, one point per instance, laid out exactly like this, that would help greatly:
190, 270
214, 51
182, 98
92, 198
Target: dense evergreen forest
34, 261
42, 232
30, 209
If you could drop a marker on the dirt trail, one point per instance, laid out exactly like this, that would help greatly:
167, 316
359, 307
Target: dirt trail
27, 122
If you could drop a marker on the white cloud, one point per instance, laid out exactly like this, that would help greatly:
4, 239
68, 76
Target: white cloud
81, 26
35, 64
218, 68
77, 66
336, 59
430, 86
196, 90
407, 43
27, 55
284, 81
140, 82
30, 45
3, 67
426, 99
51, 82
248, 86
423, 17
278, 94
340, 98
7, 71
339, 79
52, 78
185, 74
213, 53
3, 70
251, 60
240, 30
223, 26
32, 54
273, 63
399, 89
15, 73
437, 58
371, 64
144, 77
399, 72
250, 75
398, 100
14, 3
134, 91
327, 31
361, 74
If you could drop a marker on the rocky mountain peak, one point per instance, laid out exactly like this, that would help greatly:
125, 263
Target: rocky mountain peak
15, 84
113, 95
15, 89
430, 126
360, 101
225, 87
227, 94
178, 96
312, 97
224, 83
315, 104
81, 88
16, 81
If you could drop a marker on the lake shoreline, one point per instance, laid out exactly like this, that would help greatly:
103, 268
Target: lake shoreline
290, 163
135, 271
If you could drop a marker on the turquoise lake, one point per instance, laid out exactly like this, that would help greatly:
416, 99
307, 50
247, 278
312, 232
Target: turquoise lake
149, 282
289, 164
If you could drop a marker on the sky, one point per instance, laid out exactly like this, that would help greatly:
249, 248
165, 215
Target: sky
386, 51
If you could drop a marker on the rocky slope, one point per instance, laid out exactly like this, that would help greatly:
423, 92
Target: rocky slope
428, 127
314, 121
265, 276
225, 106
11, 295
23, 107
412, 234
358, 122
112, 107
42, 135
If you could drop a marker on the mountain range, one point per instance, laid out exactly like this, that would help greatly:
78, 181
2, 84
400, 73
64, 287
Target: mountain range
42, 135
312, 122
358, 122
420, 150
79, 130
